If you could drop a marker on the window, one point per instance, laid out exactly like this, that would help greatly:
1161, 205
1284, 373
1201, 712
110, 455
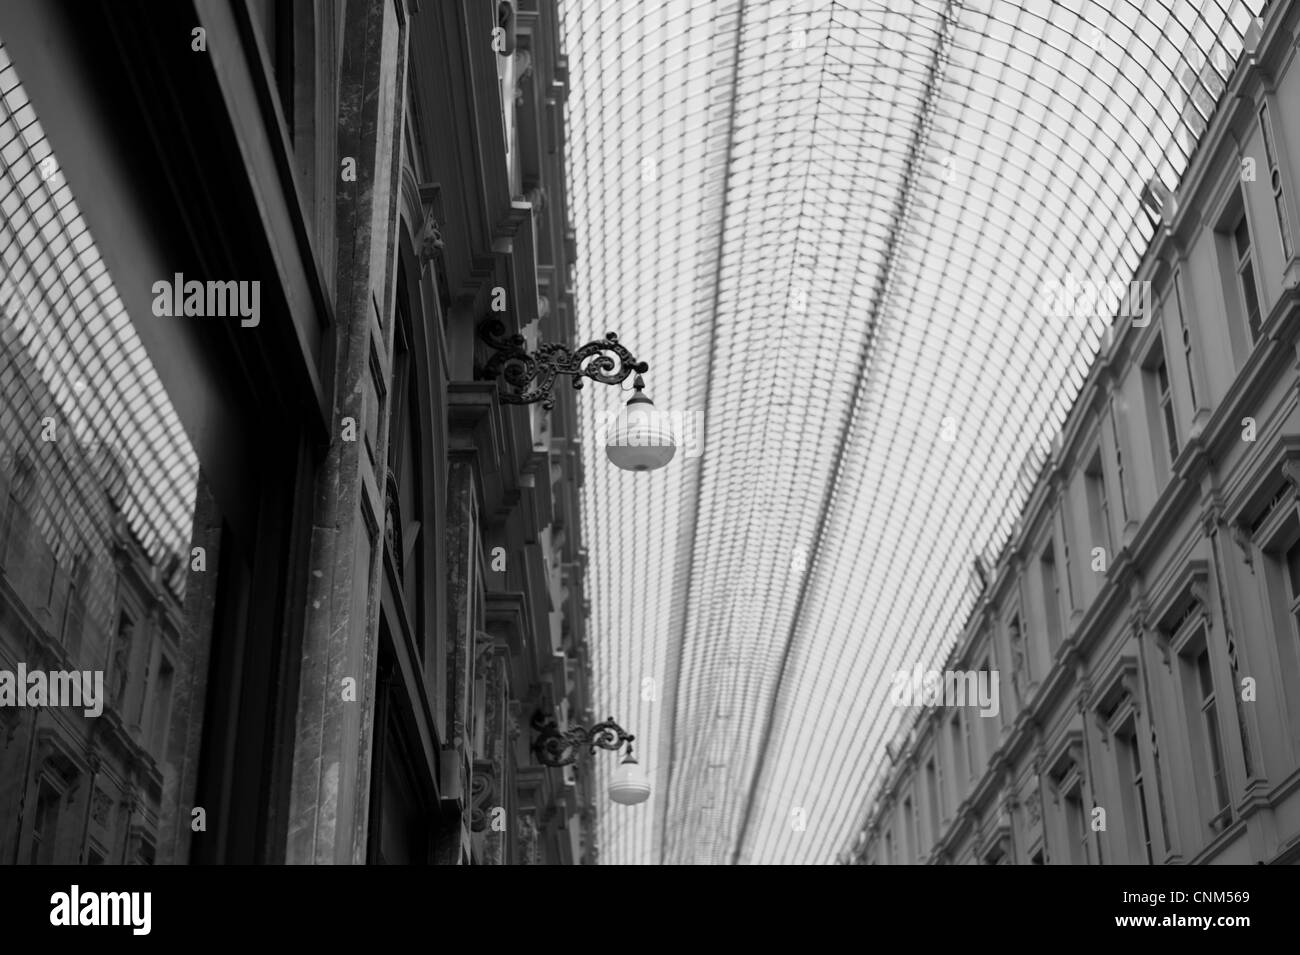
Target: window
1020, 675
161, 710
970, 758
1036, 858
1288, 631
932, 793
115, 514
912, 847
1293, 582
1119, 463
1161, 417
960, 756
1051, 596
144, 853
1137, 824
1098, 504
919, 850
1076, 821
45, 824
274, 19
1210, 731
943, 782
890, 857
1275, 181
1246, 276
120, 668
405, 521
1274, 535
1187, 339
992, 722
1069, 584
70, 630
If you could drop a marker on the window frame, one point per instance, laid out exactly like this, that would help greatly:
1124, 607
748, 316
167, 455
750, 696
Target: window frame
1206, 738
1273, 534
1244, 262
1098, 501
1232, 217
36, 842
1076, 818
1162, 411
1055, 618
1137, 818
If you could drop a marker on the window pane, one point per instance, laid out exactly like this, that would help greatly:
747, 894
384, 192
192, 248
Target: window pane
1171, 432
1251, 295
1242, 238
1216, 758
1293, 569
1203, 674
98, 489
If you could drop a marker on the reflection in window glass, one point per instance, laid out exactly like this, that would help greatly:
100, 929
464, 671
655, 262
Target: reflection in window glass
98, 487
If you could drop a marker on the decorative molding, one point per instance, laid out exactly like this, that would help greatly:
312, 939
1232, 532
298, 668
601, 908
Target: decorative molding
526, 833
429, 243
483, 791
1211, 517
1241, 536
1034, 806
101, 806
1066, 757
1181, 595
1291, 472
1255, 484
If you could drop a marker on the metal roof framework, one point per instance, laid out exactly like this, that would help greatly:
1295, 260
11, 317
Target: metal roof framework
828, 226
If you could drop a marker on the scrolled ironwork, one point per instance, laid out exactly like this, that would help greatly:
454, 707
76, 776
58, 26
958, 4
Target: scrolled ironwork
532, 374
554, 747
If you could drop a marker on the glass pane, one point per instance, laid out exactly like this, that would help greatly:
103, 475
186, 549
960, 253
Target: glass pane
1252, 297
98, 490
1242, 238
1203, 675
1293, 569
1171, 432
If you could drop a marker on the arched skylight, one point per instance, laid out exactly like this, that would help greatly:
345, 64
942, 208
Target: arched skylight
827, 226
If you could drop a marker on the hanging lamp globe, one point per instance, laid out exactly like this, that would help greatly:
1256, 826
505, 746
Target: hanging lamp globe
641, 437
629, 785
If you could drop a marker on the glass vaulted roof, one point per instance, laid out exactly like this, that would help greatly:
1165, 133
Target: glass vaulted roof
825, 225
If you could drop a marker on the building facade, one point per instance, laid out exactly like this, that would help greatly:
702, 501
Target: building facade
251, 471
1144, 616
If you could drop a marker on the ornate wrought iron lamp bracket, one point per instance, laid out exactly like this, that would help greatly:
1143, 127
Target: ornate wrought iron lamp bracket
555, 748
532, 374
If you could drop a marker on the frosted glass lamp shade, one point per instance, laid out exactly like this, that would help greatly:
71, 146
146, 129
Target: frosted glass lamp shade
629, 785
641, 437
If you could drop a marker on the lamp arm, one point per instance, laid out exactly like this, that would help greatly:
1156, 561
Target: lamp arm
532, 375
555, 748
